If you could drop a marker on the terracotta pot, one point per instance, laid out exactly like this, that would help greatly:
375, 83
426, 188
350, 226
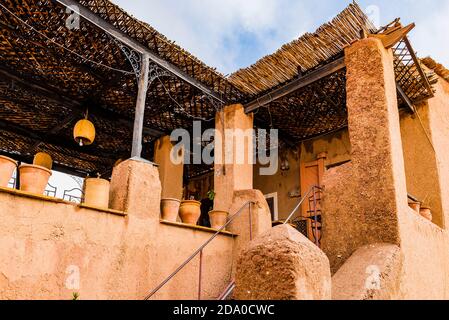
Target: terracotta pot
33, 178
96, 192
190, 211
170, 209
426, 213
218, 218
415, 206
7, 167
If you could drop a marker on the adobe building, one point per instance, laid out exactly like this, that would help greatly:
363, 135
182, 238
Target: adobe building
358, 208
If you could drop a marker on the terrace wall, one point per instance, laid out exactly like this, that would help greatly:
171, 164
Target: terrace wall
120, 254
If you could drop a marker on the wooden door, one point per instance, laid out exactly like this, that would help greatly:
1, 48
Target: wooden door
311, 175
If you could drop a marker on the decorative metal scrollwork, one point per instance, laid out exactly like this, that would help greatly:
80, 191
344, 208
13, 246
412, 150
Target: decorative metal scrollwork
50, 191
134, 57
156, 72
73, 195
12, 182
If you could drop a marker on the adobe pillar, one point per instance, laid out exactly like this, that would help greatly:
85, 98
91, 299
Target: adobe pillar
233, 155
136, 189
375, 135
170, 173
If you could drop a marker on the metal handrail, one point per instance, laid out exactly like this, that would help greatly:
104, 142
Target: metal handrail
200, 251
312, 190
227, 292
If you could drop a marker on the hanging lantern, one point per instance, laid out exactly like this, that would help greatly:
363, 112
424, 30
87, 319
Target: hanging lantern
84, 132
43, 159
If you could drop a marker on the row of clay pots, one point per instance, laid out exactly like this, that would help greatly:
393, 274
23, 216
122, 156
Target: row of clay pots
190, 212
424, 211
33, 178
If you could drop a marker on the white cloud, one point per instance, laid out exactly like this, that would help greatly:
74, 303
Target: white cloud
229, 34
430, 36
215, 30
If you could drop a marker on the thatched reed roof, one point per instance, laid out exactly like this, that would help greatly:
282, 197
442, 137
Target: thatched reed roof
305, 53
49, 76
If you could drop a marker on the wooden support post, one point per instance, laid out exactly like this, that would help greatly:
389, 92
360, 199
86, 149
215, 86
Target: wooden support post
140, 107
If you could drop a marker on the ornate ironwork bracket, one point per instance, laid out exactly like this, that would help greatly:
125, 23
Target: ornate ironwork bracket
133, 57
156, 72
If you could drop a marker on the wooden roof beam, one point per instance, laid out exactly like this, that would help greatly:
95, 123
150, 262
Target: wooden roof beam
137, 46
295, 85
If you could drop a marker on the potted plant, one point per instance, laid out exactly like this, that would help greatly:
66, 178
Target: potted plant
7, 167
218, 218
170, 209
190, 211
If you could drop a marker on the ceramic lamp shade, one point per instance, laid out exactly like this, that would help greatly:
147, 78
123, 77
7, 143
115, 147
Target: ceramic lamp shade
84, 132
44, 160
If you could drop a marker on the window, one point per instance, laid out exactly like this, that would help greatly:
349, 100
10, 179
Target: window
272, 200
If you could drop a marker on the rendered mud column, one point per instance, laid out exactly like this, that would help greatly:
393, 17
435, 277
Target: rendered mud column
136, 189
231, 174
171, 174
362, 199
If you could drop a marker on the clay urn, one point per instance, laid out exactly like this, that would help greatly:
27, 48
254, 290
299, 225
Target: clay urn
218, 218
96, 192
33, 178
7, 167
170, 209
190, 211
426, 212
416, 206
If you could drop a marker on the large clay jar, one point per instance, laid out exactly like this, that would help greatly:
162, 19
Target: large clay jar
34, 179
96, 192
170, 209
7, 167
426, 213
190, 211
218, 219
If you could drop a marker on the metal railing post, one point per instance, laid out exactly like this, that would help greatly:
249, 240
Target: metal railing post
200, 274
317, 241
250, 223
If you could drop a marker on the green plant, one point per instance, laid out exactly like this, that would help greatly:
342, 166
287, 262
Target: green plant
75, 296
211, 195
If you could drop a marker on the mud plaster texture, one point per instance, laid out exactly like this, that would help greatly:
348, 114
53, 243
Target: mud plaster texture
282, 264
361, 199
245, 227
46, 244
171, 175
373, 272
232, 176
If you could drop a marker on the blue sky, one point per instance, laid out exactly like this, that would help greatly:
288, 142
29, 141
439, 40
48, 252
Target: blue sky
231, 34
